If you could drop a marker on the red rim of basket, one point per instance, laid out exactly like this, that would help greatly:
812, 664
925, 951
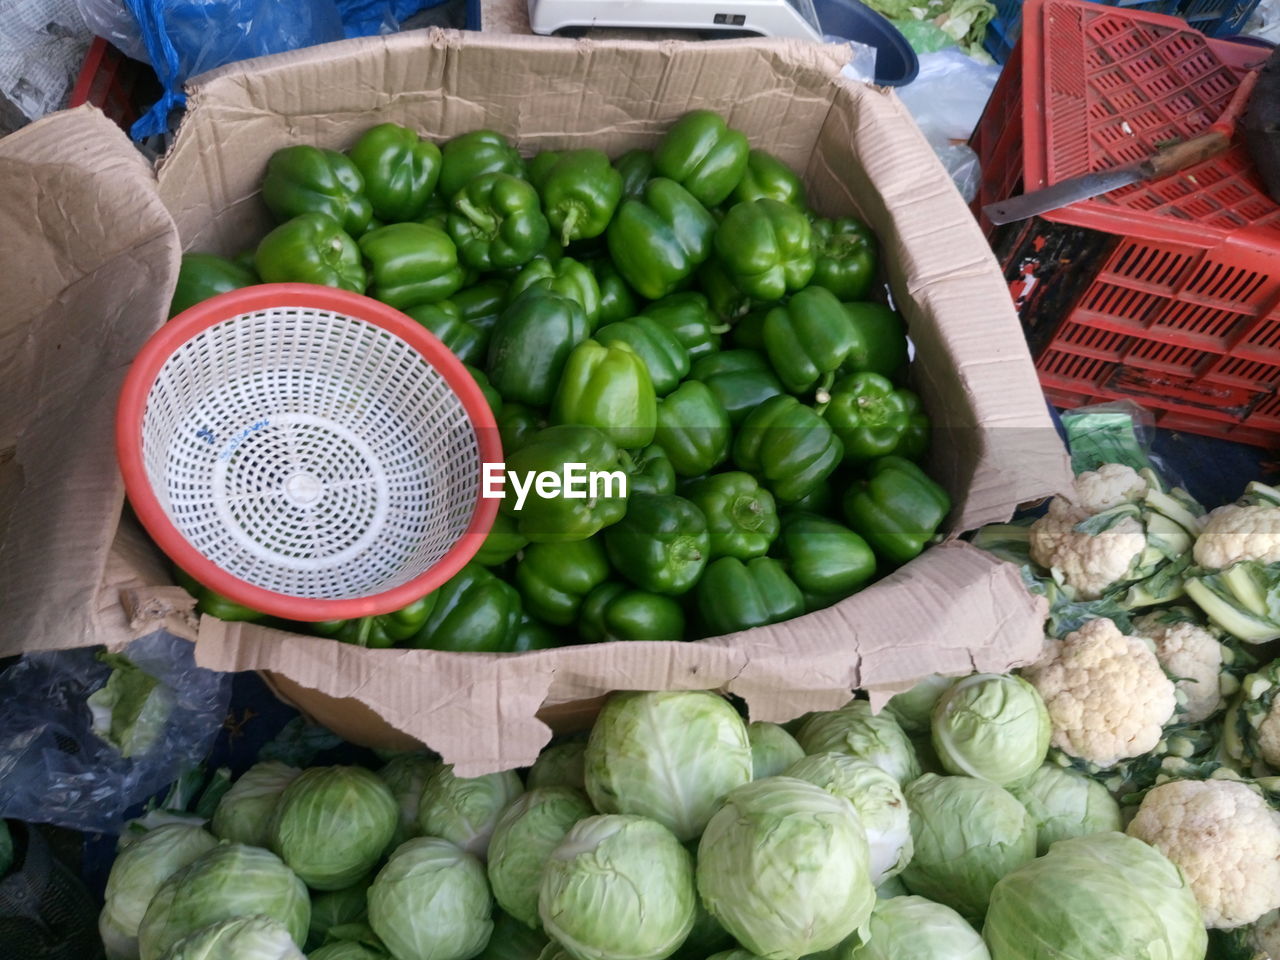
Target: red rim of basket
190, 322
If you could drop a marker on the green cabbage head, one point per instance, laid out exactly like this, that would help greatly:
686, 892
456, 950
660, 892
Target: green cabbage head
559, 766
991, 726
1064, 804
431, 902
348, 951
855, 730
465, 810
913, 709
135, 877
229, 881
784, 866
243, 815
668, 756
913, 928
529, 830
772, 749
968, 833
333, 824
1097, 897
243, 938
618, 887
512, 940
337, 908
406, 775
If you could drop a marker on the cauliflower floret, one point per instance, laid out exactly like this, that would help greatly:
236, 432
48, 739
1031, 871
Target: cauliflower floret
1268, 736
1106, 694
1193, 655
1109, 486
1089, 564
1226, 840
1234, 533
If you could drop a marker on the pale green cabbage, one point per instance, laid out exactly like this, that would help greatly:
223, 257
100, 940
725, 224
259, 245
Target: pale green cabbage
465, 810
529, 830
1065, 804
772, 749
243, 815
560, 766
406, 774
855, 730
243, 938
991, 726
913, 928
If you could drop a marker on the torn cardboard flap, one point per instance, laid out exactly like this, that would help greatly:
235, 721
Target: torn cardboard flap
952, 610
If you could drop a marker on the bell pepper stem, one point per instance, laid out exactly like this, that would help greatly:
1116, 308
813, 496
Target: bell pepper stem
570, 223
483, 221
720, 328
366, 628
823, 394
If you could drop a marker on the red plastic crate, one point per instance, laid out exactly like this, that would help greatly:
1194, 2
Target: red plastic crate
1165, 292
115, 84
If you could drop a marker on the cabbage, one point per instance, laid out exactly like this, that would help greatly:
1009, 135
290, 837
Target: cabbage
243, 938
968, 833
337, 908
135, 877
406, 775
667, 756
618, 887
244, 813
348, 950
431, 902
333, 824
229, 881
991, 726
913, 928
1098, 897
875, 796
1064, 804
512, 940
529, 830
783, 865
913, 709
855, 730
772, 749
559, 766
465, 810
706, 937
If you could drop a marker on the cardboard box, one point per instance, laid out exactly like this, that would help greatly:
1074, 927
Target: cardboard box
97, 238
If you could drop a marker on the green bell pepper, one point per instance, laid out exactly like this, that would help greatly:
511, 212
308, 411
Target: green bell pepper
213, 603
689, 316
765, 248
881, 340
531, 344
658, 240
568, 278
741, 515
491, 396
580, 192
845, 257
532, 635
651, 471
897, 508
735, 595
727, 301
636, 169
788, 446
661, 545
244, 260
311, 248
825, 559
481, 304
517, 423
411, 264
305, 179
476, 154
607, 387
740, 379
445, 321
554, 578
400, 171
554, 518
701, 153
767, 176
869, 415
497, 222
475, 612
693, 429
915, 439
502, 543
617, 301
382, 631
614, 611
807, 339
205, 275
664, 356
821, 500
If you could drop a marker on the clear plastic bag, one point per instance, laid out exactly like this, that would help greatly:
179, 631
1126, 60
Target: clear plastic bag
56, 768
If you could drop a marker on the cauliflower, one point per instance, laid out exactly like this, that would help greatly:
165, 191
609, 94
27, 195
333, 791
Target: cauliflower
1106, 694
1224, 837
1234, 533
1251, 729
1088, 563
1109, 486
1193, 655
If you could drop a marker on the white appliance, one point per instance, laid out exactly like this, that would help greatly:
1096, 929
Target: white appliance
770, 18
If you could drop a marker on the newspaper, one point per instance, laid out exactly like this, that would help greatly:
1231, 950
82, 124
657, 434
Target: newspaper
42, 47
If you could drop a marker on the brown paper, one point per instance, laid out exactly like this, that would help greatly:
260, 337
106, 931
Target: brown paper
952, 610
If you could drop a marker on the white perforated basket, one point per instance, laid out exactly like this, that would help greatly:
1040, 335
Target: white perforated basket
307, 452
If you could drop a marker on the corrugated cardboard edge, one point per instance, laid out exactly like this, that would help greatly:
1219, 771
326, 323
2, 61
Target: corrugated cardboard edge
91, 257
480, 711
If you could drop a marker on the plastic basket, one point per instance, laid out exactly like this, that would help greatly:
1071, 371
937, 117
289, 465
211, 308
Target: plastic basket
1214, 18
307, 452
1166, 292
115, 84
